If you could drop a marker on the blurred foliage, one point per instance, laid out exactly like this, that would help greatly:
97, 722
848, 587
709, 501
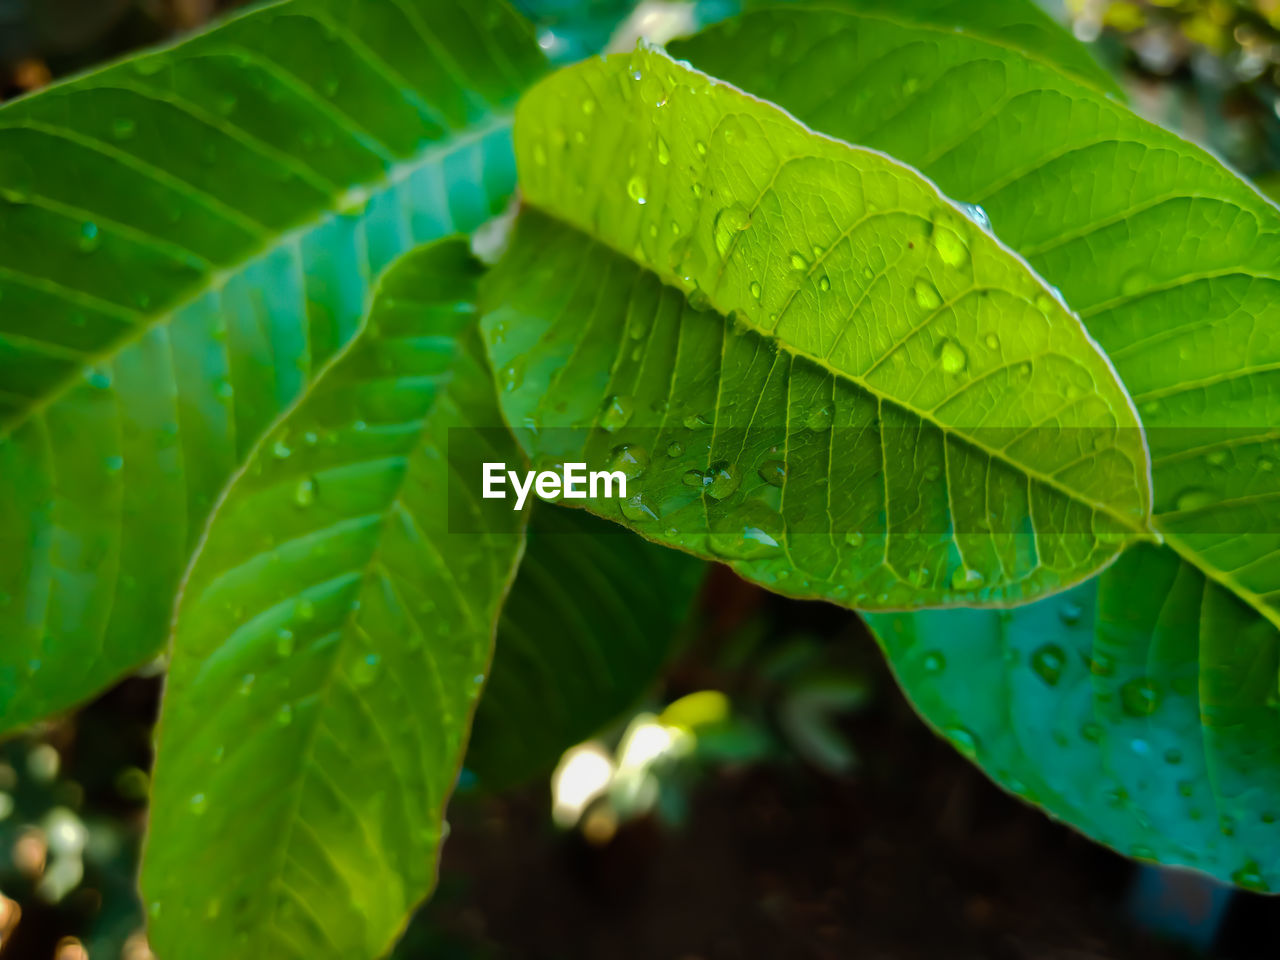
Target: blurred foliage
1210, 68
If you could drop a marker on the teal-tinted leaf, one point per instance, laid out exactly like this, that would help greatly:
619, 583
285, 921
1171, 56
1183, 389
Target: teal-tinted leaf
1172, 260
594, 614
1142, 708
185, 238
811, 364
330, 644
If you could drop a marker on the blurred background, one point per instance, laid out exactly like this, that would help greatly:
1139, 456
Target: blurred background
774, 796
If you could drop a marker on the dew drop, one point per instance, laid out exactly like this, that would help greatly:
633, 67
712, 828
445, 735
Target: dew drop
1047, 662
824, 283
730, 221
284, 642
722, 480
966, 579
952, 357
617, 413
637, 509
1139, 697
284, 716
927, 295
1194, 498
819, 419
854, 540
798, 262
664, 152
773, 472
951, 247
636, 190
1069, 613
198, 803
630, 459
963, 740
934, 662
304, 494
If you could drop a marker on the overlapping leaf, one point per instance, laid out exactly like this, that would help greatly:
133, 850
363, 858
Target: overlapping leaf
331, 640
185, 238
1171, 259
810, 364
594, 613
1143, 714
1141, 708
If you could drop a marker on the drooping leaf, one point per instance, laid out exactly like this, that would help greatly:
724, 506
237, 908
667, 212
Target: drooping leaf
810, 364
185, 237
330, 644
1172, 260
594, 614
1141, 708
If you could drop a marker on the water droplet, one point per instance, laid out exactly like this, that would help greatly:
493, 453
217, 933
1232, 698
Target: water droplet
1139, 697
963, 740
588, 106
630, 459
773, 472
1048, 661
854, 540
637, 509
98, 379
730, 221
280, 450
992, 341
664, 153
304, 609
755, 289
1195, 498
1173, 756
950, 245
932, 472
90, 239
952, 357
927, 295
513, 375
114, 464
365, 670
934, 661
636, 190
1069, 613
696, 421
617, 413
966, 579
751, 532
722, 479
284, 642
304, 494
694, 478
701, 148
675, 449
819, 419
198, 803
1217, 458
1250, 878
824, 283
284, 716
977, 215
798, 262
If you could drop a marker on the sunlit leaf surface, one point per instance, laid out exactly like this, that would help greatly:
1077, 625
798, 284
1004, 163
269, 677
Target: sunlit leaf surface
810, 364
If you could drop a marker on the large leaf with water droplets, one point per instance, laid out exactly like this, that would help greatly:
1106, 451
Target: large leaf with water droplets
810, 363
593, 615
185, 238
1141, 708
330, 644
1171, 259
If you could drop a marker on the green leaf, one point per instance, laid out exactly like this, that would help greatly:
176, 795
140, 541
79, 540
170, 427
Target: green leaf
864, 397
1141, 708
1171, 259
594, 614
1015, 23
330, 644
185, 238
